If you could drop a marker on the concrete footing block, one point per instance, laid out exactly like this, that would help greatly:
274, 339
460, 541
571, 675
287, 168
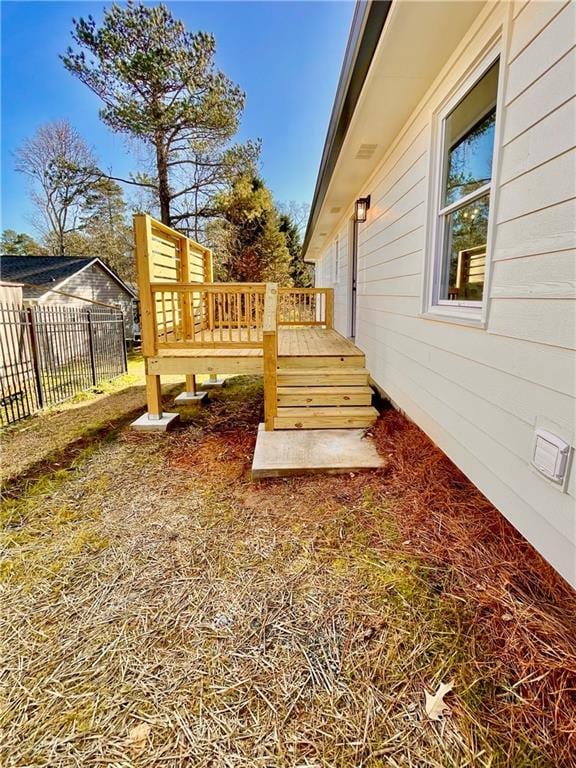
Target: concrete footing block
213, 384
190, 397
146, 424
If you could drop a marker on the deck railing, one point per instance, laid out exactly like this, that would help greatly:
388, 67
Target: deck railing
230, 314
208, 314
306, 307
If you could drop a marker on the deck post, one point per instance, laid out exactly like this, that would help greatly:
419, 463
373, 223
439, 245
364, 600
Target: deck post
330, 308
143, 239
270, 351
190, 395
154, 420
213, 382
154, 397
186, 299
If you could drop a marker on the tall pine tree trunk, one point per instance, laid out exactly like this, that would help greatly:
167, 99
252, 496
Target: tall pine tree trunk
163, 185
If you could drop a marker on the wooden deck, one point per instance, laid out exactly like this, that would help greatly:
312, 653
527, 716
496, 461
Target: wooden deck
314, 342
314, 378
292, 342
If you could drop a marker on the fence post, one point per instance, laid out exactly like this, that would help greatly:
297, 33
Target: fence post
91, 346
124, 350
35, 357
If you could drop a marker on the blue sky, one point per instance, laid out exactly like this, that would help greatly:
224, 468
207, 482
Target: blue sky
286, 56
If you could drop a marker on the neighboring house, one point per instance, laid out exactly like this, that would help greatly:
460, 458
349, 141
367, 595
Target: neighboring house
457, 119
49, 280
11, 294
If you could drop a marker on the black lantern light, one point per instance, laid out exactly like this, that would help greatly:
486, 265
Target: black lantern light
361, 209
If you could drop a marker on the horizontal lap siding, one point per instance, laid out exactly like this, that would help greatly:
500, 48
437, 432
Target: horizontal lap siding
341, 288
479, 392
96, 285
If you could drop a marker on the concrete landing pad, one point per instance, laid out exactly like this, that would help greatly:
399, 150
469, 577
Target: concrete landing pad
146, 424
283, 453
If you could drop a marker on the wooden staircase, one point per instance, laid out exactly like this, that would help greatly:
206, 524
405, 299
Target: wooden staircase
324, 391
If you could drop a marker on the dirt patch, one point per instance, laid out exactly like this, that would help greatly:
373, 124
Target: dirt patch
224, 457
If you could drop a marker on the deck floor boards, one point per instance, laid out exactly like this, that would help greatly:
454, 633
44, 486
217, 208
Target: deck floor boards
314, 342
292, 342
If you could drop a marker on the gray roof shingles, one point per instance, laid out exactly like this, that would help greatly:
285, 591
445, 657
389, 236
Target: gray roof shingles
39, 273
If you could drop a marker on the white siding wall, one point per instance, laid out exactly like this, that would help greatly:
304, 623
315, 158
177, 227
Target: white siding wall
478, 392
328, 275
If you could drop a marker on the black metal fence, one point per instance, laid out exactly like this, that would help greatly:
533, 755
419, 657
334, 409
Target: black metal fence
50, 354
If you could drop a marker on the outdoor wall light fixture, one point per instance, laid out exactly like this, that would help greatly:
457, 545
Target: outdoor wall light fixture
361, 209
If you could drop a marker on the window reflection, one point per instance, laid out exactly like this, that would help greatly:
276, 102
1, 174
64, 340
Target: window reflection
470, 161
466, 235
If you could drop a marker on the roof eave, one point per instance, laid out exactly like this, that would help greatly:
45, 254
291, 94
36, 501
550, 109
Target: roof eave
367, 25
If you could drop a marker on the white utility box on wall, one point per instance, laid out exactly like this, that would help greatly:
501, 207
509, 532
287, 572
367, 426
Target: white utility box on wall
551, 454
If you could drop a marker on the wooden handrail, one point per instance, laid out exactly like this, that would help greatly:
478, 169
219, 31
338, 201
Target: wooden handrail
270, 351
213, 287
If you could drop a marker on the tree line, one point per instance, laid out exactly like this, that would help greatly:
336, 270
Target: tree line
159, 86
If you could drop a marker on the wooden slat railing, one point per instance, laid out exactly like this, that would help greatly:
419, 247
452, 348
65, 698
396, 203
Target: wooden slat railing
167, 257
210, 315
306, 307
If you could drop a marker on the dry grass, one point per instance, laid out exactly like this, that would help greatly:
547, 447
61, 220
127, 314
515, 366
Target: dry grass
151, 586
30, 443
49, 439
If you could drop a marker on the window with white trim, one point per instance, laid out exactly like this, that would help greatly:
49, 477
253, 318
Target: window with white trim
468, 132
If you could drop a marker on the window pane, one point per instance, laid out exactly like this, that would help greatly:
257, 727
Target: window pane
470, 139
465, 252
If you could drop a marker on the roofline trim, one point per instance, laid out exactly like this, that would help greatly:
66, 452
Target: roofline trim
367, 25
95, 260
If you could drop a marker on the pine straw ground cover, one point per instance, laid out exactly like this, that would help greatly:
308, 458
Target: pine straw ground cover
159, 609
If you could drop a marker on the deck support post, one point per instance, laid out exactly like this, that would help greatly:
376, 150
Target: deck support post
213, 382
270, 352
190, 394
154, 420
154, 397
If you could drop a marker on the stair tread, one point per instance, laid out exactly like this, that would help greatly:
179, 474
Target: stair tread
322, 362
351, 370
341, 389
328, 410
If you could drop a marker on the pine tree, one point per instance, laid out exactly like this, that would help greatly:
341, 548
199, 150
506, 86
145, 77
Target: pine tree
247, 241
15, 243
300, 271
106, 231
159, 84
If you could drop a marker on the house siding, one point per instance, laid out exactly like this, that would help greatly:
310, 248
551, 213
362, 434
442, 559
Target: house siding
94, 284
479, 391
